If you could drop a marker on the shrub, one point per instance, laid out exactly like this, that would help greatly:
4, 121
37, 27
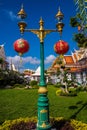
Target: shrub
58, 92
81, 88
12, 82
33, 83
18, 86
19, 124
49, 83
24, 126
35, 86
72, 92
78, 125
59, 123
10, 78
58, 85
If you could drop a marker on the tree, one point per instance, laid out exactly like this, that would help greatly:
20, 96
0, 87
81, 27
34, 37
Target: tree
76, 21
1, 60
81, 36
81, 39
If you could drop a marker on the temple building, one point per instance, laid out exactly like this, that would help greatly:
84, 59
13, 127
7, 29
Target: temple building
76, 64
28, 72
3, 62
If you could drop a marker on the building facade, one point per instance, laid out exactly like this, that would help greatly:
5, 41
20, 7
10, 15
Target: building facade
76, 64
3, 62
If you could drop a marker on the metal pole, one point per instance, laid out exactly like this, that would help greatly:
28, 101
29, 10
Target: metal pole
43, 102
43, 122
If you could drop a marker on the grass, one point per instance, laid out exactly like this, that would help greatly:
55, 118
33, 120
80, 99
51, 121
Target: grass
16, 103
68, 107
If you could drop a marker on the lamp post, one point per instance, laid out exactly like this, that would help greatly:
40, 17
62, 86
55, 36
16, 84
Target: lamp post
43, 122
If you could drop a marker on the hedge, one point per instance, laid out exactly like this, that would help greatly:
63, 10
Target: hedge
30, 123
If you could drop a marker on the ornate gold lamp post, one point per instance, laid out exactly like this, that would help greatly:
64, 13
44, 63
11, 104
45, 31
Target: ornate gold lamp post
43, 122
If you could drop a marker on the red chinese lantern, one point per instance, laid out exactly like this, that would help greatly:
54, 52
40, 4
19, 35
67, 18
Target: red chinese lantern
21, 46
61, 47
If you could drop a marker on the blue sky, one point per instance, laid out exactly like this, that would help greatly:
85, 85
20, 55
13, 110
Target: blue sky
47, 9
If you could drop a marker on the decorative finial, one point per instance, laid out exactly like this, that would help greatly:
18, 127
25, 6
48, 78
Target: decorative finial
60, 24
59, 8
22, 13
41, 22
22, 6
59, 14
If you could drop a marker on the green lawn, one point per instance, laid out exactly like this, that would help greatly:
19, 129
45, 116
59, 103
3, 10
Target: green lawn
16, 103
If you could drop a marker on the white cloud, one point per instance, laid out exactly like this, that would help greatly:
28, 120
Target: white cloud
11, 15
16, 60
31, 60
49, 59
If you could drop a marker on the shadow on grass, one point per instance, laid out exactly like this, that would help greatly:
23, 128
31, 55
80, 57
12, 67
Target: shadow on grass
78, 111
73, 107
79, 102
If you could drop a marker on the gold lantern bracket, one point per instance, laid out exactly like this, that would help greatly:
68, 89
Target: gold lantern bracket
60, 24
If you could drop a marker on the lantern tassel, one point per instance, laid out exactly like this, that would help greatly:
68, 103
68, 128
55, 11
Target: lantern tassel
61, 56
21, 60
20, 54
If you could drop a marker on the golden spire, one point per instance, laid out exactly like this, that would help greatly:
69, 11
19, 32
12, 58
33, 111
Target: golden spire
41, 22
22, 13
59, 14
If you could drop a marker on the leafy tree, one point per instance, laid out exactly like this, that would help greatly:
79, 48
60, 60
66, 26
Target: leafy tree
1, 60
81, 36
9, 77
81, 39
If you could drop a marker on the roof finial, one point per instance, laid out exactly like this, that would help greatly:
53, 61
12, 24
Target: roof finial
22, 6
59, 8
22, 13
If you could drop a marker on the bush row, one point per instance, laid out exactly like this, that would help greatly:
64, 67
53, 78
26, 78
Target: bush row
30, 123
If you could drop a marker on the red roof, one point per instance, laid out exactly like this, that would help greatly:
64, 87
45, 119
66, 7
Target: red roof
75, 57
74, 69
68, 59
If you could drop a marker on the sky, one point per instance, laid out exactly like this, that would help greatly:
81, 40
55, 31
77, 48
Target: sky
35, 9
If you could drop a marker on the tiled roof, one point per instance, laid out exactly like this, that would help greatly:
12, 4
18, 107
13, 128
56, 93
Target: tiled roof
68, 60
74, 69
75, 57
56, 66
